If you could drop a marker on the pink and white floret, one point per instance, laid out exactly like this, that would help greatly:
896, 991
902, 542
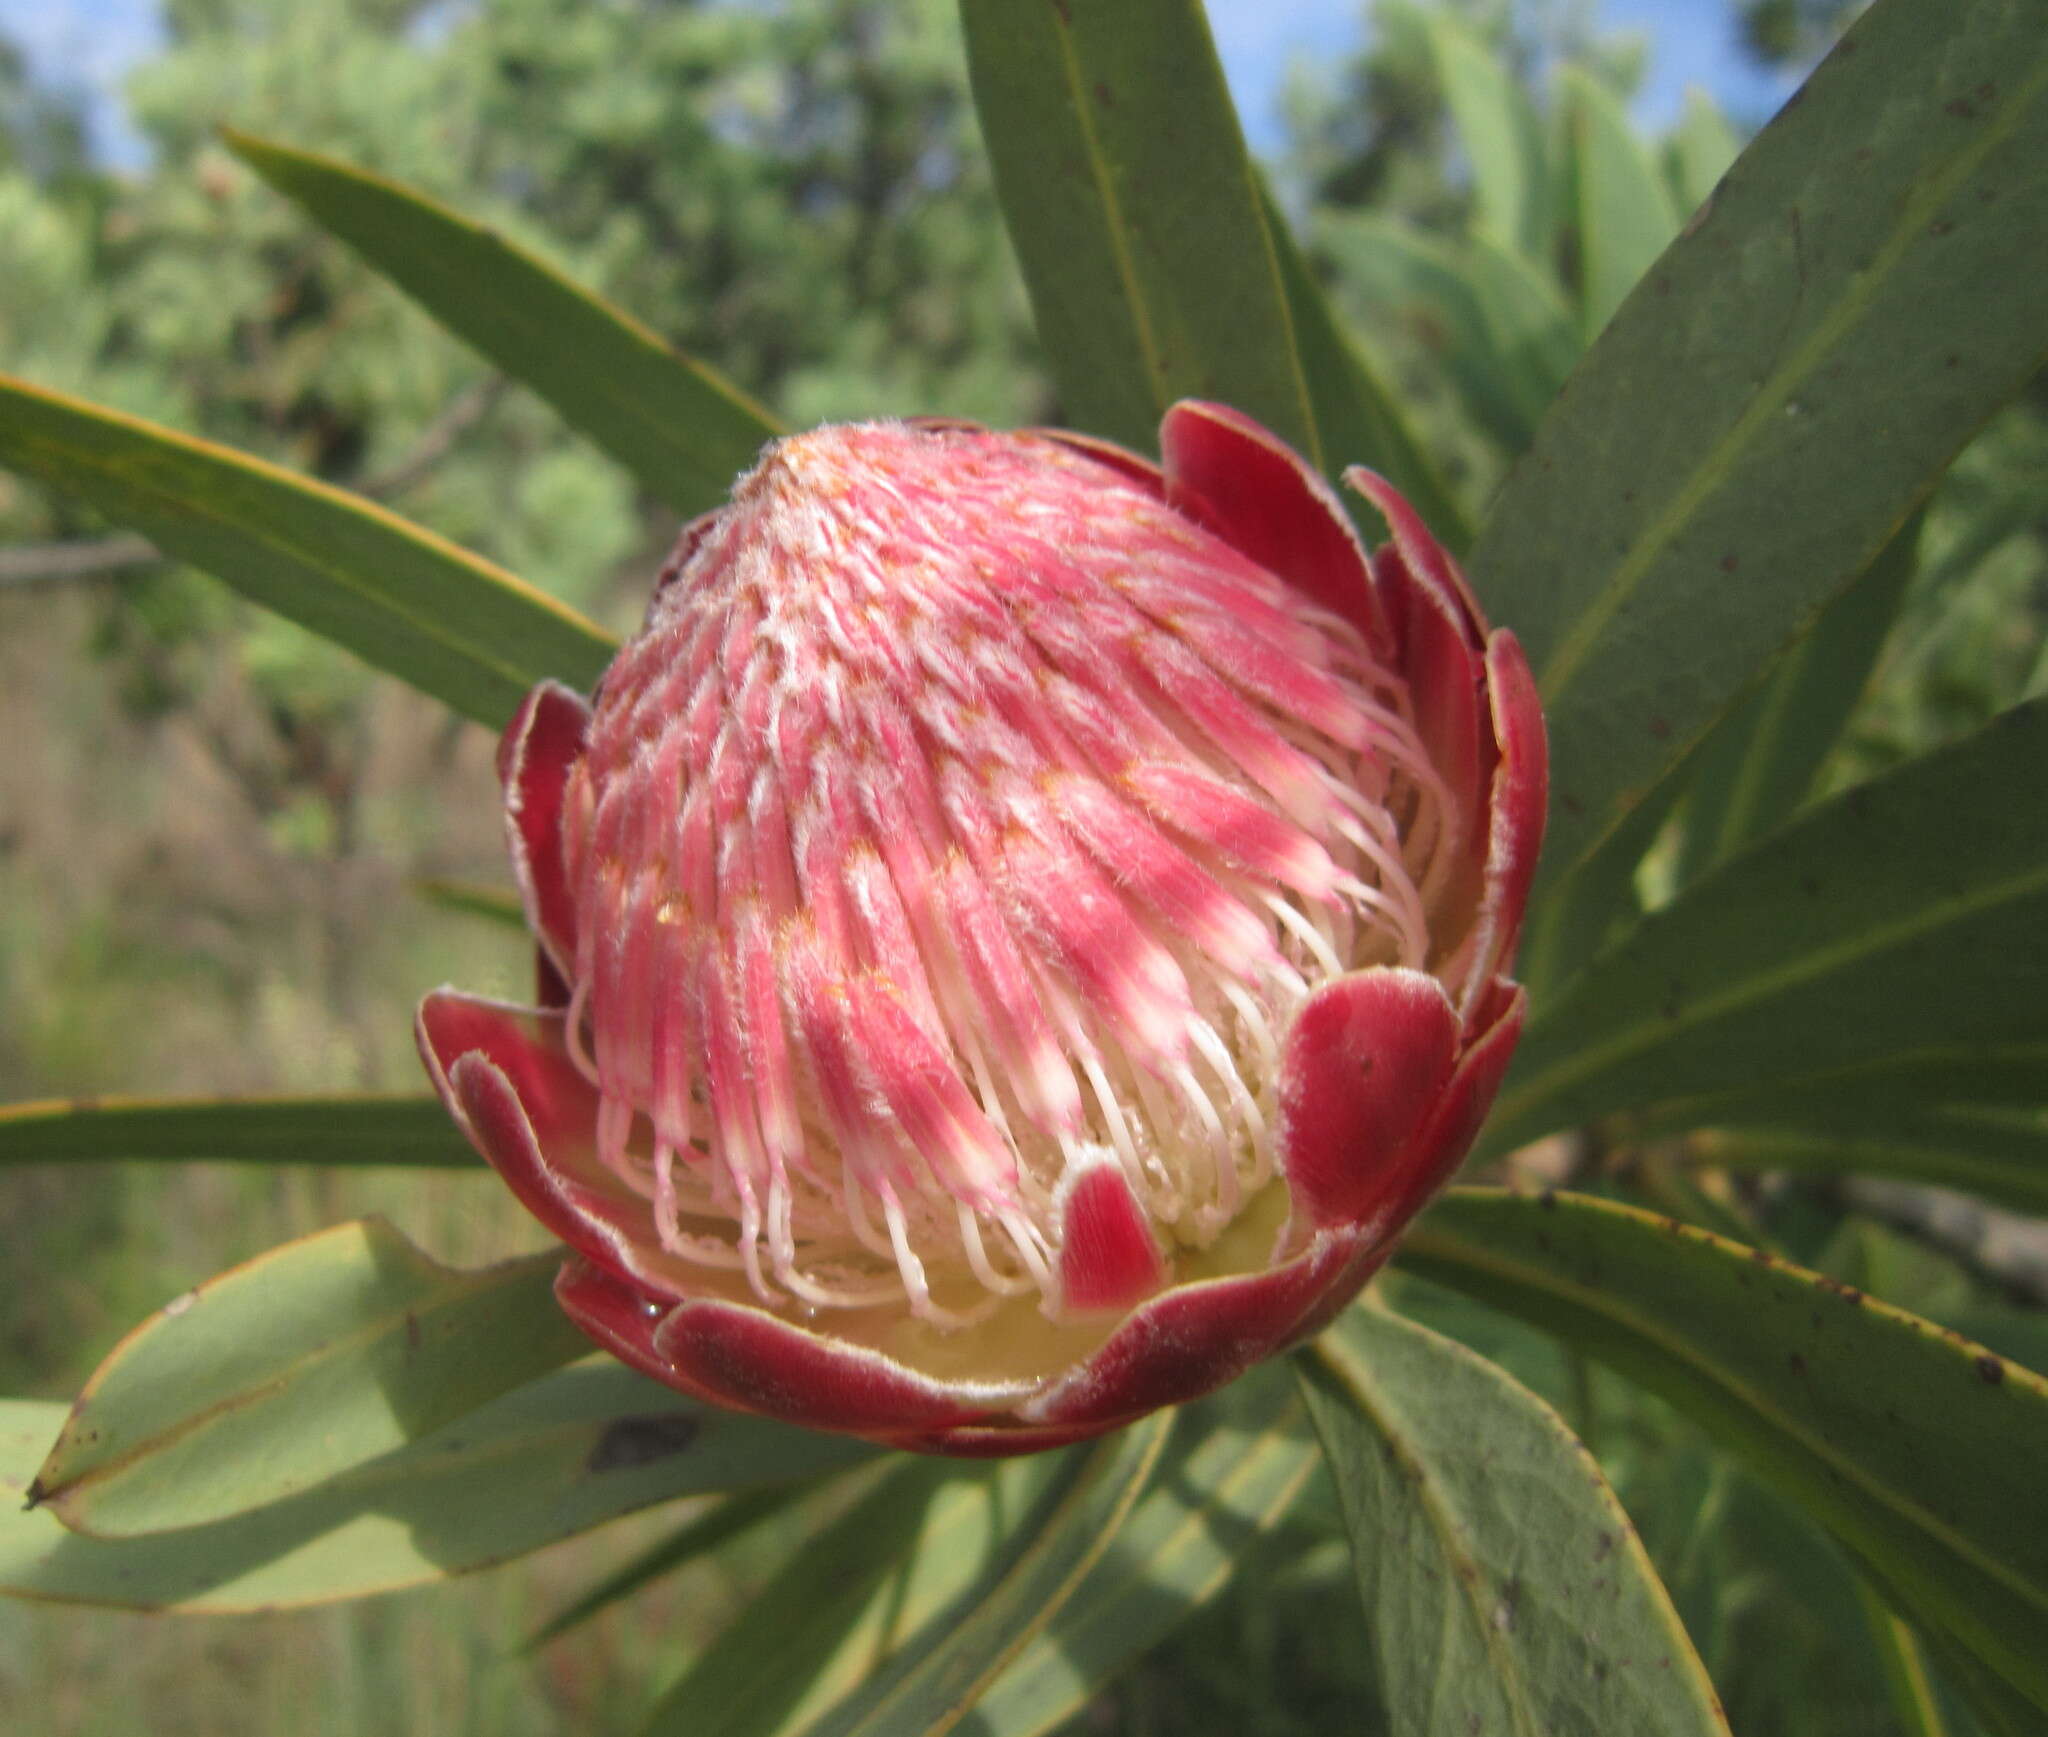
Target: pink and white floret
1022, 929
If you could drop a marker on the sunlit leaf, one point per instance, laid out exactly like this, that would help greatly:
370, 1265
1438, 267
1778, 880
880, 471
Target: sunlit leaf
928, 1685
1787, 383
549, 1460
1504, 1588
413, 1129
1699, 151
1232, 1471
1915, 1447
1358, 417
1135, 213
1892, 919
674, 423
1429, 285
283, 1371
395, 594
703, 1535
1757, 765
863, 1587
1502, 136
1989, 1150
1624, 211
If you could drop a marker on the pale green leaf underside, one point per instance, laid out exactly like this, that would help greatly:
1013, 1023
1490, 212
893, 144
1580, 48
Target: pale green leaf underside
395, 594
545, 1462
1894, 919
676, 425
1789, 379
1916, 1448
1504, 1588
293, 1367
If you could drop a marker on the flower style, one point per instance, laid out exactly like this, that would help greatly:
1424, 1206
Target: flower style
1021, 929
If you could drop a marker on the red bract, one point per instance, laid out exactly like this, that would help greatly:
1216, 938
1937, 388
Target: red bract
1022, 929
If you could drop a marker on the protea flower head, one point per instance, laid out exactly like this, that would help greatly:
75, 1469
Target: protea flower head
1022, 929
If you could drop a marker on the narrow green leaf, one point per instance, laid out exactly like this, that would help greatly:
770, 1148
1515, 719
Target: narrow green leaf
703, 1535
290, 1368
399, 597
1232, 1472
2004, 1076
1358, 418
1625, 216
1988, 1150
2002, 1711
1135, 213
1699, 151
1533, 333
548, 1460
1781, 391
1427, 285
1574, 917
675, 424
928, 1686
1886, 921
861, 1589
1758, 763
1915, 1447
1502, 136
1504, 1587
473, 899
1905, 1668
338, 1130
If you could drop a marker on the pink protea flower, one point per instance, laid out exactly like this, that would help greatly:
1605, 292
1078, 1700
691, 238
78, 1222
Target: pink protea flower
1022, 930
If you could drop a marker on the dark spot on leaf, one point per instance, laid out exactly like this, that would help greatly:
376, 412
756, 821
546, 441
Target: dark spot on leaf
640, 1441
1952, 361
1940, 226
1729, 563
1102, 95
1864, 153
1661, 729
1986, 91
1602, 1543
1810, 886
1961, 108
36, 1495
1599, 1670
412, 1331
1990, 1370
1065, 12
1797, 1362
1570, 804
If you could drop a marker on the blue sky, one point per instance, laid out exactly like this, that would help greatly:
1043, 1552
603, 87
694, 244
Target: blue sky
91, 43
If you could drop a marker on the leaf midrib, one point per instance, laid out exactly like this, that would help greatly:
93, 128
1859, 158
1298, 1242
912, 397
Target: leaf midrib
1449, 1246
1649, 1034
99, 1472
1444, 1520
1563, 665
